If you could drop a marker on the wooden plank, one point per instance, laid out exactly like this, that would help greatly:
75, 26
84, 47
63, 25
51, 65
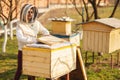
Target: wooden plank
36, 64
36, 53
68, 28
82, 67
36, 59
63, 28
58, 27
107, 42
85, 40
87, 35
61, 53
96, 42
36, 49
89, 40
92, 40
100, 42
104, 42
36, 69
97, 27
39, 74
112, 40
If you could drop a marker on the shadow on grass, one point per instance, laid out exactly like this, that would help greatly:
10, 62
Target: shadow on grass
9, 75
4, 56
7, 66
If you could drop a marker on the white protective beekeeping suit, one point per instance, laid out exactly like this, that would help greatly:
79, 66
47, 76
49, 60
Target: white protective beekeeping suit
27, 31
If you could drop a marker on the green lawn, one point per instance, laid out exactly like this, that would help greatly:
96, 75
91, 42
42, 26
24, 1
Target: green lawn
100, 70
8, 61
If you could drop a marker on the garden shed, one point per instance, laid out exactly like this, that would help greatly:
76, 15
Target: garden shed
101, 35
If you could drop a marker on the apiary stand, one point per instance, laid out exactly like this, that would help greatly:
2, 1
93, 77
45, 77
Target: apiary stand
80, 69
81, 64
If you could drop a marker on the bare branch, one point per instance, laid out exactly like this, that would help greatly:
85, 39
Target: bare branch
86, 9
74, 3
2, 19
99, 2
5, 3
4, 16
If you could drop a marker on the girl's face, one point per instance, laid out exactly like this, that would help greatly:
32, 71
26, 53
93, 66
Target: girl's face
30, 14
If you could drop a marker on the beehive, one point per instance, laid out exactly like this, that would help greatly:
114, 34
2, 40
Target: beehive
102, 35
47, 62
73, 38
61, 27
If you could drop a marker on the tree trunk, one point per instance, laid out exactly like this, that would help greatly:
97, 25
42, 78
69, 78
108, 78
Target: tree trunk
93, 2
115, 7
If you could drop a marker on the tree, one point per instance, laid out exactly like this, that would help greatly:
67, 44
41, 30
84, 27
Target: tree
115, 7
94, 5
7, 7
8, 10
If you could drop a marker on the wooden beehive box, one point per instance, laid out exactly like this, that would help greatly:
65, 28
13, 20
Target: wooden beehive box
51, 62
73, 38
62, 26
102, 35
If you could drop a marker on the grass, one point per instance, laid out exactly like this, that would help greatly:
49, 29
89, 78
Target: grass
100, 70
8, 61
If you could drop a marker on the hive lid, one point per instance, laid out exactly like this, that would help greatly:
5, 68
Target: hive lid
51, 40
113, 22
62, 19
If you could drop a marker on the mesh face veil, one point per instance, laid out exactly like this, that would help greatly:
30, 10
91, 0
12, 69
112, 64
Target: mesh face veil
25, 11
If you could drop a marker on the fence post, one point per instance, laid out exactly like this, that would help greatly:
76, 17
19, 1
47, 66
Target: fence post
5, 39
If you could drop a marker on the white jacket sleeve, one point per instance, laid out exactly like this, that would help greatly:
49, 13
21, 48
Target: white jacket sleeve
24, 39
43, 30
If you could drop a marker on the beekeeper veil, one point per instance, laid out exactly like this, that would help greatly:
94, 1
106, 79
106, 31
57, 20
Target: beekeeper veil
24, 12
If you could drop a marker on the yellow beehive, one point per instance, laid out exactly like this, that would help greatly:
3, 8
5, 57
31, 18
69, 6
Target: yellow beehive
102, 35
47, 62
61, 27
